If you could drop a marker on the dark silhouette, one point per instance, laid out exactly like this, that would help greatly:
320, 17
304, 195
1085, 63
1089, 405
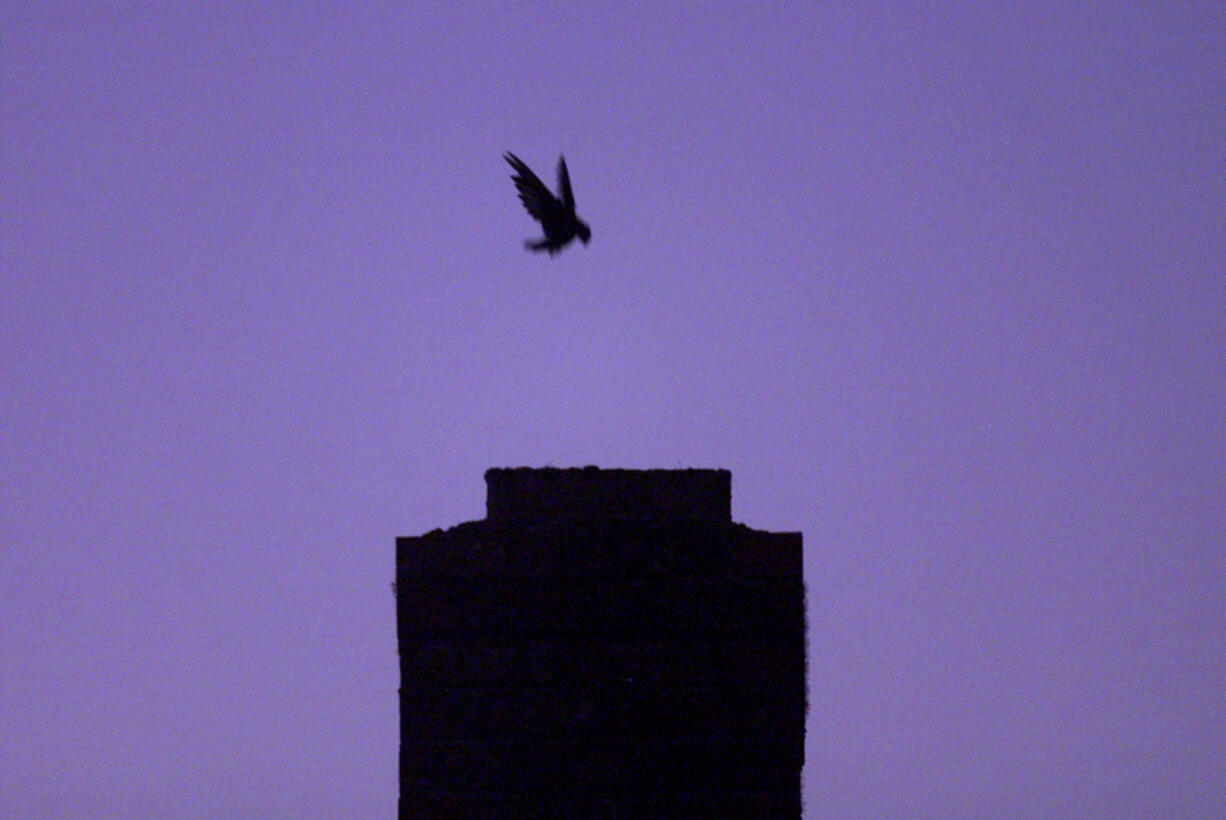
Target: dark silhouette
557, 216
603, 644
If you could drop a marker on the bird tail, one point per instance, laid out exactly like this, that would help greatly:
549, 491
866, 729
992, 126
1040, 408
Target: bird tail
537, 245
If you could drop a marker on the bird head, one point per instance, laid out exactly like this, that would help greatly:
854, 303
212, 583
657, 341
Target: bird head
585, 233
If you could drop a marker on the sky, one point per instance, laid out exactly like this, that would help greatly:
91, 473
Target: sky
942, 284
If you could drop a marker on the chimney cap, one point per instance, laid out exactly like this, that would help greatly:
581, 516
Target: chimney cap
586, 493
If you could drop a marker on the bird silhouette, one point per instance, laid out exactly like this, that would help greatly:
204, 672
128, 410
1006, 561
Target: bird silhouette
557, 216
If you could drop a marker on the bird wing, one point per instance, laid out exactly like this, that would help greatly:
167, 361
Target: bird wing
568, 196
537, 199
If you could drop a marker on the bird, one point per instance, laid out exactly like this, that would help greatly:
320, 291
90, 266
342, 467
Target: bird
557, 216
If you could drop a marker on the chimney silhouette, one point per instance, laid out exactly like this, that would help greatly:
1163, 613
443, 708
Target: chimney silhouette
604, 644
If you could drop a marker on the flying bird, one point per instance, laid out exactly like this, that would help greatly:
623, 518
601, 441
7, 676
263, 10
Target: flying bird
557, 216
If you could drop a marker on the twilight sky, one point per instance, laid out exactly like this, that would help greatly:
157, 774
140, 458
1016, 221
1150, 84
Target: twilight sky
943, 284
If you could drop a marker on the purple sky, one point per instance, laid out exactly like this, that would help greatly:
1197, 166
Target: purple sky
943, 286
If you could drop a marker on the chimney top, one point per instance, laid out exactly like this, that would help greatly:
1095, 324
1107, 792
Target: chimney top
586, 493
